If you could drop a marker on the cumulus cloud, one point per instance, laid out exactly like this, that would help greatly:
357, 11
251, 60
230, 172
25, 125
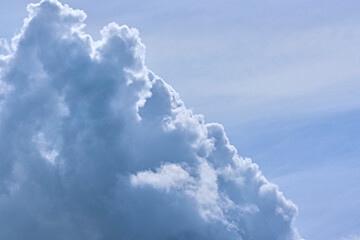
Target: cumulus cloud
94, 145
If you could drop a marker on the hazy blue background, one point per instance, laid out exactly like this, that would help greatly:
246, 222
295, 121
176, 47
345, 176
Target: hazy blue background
283, 77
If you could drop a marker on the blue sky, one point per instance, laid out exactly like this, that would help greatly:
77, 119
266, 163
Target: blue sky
281, 76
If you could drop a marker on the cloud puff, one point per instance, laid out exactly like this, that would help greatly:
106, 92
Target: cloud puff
94, 145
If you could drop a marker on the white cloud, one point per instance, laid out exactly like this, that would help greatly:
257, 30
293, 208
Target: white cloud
134, 162
166, 177
44, 147
4, 47
351, 237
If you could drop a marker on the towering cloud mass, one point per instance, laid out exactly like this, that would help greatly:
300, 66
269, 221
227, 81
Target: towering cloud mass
93, 145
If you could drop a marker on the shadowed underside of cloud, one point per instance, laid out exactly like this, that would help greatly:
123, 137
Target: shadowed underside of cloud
94, 145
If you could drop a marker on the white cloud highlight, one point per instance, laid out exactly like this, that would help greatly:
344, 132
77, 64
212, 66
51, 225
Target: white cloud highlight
166, 177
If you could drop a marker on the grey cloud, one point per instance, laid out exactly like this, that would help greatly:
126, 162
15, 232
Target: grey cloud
95, 146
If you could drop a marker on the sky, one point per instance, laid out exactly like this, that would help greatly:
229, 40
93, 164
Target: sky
281, 76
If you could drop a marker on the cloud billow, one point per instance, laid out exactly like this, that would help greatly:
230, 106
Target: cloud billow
94, 146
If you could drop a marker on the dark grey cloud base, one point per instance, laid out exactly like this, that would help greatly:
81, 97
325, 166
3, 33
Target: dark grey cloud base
93, 145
